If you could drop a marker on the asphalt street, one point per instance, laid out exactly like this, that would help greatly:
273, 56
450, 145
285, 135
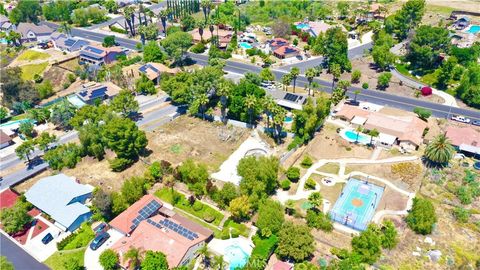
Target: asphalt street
21, 260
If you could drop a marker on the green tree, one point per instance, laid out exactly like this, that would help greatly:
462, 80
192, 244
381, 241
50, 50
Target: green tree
3, 113
382, 56
293, 174
227, 194
368, 244
118, 203
270, 217
102, 202
407, 18
45, 89
469, 88
153, 53
286, 80
72, 265
134, 256
45, 140
133, 189
108, 41
27, 129
145, 86
65, 155
154, 261
61, 114
384, 80
223, 91
422, 113
251, 103
176, 45
124, 138
15, 218
109, 259
426, 46
439, 150
267, 75
356, 75
295, 242
446, 72
5, 264
335, 48
310, 73
389, 236
316, 200
318, 220
125, 103
294, 72
240, 208
373, 134
422, 217
26, 11
24, 150
15, 89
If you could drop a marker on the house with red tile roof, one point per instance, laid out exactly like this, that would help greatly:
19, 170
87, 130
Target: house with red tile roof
148, 226
286, 52
466, 139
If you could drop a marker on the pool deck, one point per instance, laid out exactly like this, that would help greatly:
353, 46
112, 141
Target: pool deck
219, 246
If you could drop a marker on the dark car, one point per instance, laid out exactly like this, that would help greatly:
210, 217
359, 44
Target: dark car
101, 228
476, 123
99, 240
47, 238
352, 102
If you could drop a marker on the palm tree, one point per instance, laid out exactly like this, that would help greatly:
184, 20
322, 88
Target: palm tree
205, 254
440, 150
286, 81
163, 15
336, 71
315, 85
356, 92
358, 130
373, 133
206, 5
278, 121
219, 263
294, 72
250, 104
203, 101
201, 25
223, 91
310, 74
134, 256
211, 28
66, 28
128, 13
269, 105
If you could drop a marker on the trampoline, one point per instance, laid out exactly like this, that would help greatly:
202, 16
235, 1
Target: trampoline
357, 204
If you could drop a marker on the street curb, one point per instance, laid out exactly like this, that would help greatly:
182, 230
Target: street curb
19, 245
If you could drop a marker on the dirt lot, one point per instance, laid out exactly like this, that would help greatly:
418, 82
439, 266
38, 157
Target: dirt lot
175, 142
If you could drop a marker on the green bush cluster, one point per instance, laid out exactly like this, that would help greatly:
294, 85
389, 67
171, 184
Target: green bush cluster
118, 30
293, 174
285, 184
310, 183
79, 239
306, 162
198, 48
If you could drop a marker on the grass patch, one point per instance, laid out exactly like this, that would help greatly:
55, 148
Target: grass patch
402, 68
232, 228
31, 55
440, 9
199, 209
79, 239
430, 78
264, 247
331, 168
28, 71
58, 259
176, 149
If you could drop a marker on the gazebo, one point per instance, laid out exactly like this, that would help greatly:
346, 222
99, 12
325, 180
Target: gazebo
426, 91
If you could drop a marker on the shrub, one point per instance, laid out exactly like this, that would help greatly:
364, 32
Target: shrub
37, 78
119, 164
318, 220
208, 216
285, 184
118, 30
293, 174
422, 217
71, 77
108, 259
365, 85
422, 113
356, 74
461, 214
464, 194
306, 162
310, 183
198, 48
197, 206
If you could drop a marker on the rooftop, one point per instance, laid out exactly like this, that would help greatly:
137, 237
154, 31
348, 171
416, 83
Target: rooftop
4, 138
463, 135
93, 90
24, 28
153, 70
7, 198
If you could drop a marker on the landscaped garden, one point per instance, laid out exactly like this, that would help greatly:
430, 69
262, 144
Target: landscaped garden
29, 71
31, 55
60, 259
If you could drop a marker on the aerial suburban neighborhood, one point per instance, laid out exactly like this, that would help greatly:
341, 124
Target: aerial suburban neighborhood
239, 134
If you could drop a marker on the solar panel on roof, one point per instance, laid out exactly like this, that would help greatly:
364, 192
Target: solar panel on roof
69, 42
95, 50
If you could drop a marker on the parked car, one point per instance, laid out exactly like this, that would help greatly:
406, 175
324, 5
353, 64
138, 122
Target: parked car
476, 123
103, 227
352, 102
461, 119
99, 240
47, 238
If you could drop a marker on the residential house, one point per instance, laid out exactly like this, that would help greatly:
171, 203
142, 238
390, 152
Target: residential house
462, 23
224, 35
375, 12
319, 27
405, 131
465, 139
280, 265
5, 140
276, 43
31, 32
69, 44
286, 52
63, 199
154, 70
98, 55
91, 91
149, 225
5, 24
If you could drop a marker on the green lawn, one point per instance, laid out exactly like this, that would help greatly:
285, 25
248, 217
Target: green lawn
201, 211
332, 168
232, 228
32, 55
58, 259
81, 239
28, 71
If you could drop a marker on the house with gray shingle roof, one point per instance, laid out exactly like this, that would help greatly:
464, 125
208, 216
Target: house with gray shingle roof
31, 32
63, 199
5, 24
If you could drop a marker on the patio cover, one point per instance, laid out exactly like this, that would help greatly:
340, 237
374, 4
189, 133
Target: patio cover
469, 148
386, 139
358, 120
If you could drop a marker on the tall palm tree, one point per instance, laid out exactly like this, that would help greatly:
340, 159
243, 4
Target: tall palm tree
373, 133
358, 130
163, 15
205, 254
206, 5
201, 26
356, 92
219, 263
315, 85
129, 14
269, 105
294, 72
440, 150
310, 74
211, 27
133, 255
336, 71
250, 104
278, 121
223, 91
66, 28
286, 81
203, 101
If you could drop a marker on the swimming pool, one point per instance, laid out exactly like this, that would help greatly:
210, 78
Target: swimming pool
353, 136
235, 256
357, 204
3, 41
245, 45
473, 29
75, 101
288, 119
302, 26
15, 124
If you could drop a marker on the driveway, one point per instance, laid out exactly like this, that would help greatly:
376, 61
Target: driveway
40, 250
91, 256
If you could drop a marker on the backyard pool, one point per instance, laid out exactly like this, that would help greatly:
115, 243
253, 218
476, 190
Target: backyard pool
3, 41
288, 119
303, 26
236, 256
474, 29
75, 101
15, 124
246, 45
235, 251
353, 136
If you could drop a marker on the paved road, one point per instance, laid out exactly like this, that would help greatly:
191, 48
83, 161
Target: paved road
21, 260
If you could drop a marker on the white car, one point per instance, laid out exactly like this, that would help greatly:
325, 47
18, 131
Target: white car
460, 118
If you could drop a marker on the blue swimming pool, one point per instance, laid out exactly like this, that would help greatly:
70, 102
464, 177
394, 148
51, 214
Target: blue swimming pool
474, 29
3, 41
76, 101
13, 124
357, 204
302, 26
245, 45
288, 119
353, 136
235, 256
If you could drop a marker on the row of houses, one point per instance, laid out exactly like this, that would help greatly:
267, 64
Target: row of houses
148, 224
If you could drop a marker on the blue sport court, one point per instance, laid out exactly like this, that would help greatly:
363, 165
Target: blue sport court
357, 204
